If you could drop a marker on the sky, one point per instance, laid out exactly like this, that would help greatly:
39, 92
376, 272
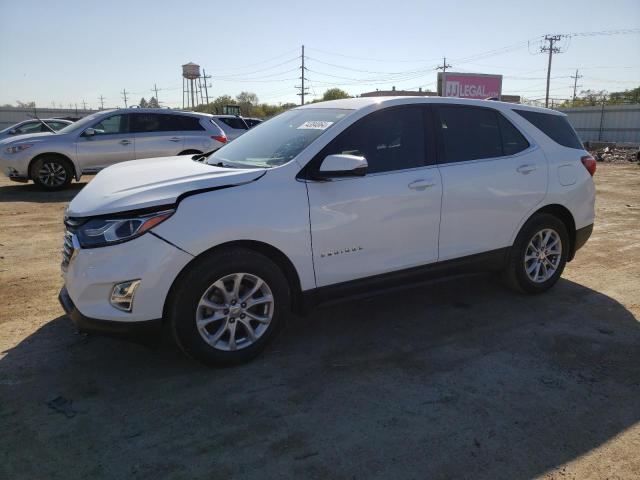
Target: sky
70, 52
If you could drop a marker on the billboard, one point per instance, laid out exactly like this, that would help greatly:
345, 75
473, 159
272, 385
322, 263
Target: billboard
470, 85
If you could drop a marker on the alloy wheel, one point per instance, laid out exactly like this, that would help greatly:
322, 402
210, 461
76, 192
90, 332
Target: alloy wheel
235, 311
52, 174
542, 255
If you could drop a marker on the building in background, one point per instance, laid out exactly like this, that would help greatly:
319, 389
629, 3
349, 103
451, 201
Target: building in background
12, 115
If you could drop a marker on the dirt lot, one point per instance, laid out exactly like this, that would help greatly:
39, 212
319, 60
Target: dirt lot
463, 379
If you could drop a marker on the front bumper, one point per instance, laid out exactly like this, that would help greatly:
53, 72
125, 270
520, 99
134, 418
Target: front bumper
91, 273
15, 166
106, 327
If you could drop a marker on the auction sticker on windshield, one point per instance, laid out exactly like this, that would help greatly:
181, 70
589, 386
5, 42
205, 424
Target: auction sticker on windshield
315, 125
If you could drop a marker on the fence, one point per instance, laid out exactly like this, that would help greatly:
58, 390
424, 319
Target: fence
10, 116
609, 123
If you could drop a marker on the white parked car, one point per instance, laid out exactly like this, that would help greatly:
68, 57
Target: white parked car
323, 201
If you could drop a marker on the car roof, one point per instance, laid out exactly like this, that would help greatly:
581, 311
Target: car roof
368, 102
155, 110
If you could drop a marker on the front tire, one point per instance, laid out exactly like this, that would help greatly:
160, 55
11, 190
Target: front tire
228, 307
538, 255
51, 172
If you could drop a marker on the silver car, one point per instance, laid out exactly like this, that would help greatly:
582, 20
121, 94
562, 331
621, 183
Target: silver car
34, 126
104, 138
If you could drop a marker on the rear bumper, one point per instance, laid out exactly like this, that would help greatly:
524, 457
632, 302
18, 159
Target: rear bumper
582, 235
106, 327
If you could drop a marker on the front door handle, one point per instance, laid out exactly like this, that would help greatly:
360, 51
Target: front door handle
174, 139
421, 184
125, 142
526, 169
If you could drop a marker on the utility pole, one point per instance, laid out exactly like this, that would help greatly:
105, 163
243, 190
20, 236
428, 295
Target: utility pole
101, 102
444, 71
124, 96
575, 86
551, 49
206, 91
84, 104
302, 79
155, 89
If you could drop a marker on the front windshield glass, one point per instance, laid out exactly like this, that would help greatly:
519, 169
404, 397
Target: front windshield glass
81, 124
277, 141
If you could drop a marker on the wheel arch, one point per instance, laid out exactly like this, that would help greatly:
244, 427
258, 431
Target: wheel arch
565, 216
53, 154
274, 254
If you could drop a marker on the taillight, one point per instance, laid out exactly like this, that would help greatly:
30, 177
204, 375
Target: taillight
589, 163
220, 138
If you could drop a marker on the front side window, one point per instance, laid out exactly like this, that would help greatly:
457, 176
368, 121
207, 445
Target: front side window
279, 140
467, 133
56, 125
392, 139
31, 127
111, 125
556, 127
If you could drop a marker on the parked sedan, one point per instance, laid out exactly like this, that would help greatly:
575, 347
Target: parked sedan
34, 126
105, 138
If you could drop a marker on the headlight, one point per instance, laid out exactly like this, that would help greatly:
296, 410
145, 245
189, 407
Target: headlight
99, 232
18, 148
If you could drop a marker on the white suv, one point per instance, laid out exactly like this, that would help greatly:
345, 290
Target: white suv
326, 200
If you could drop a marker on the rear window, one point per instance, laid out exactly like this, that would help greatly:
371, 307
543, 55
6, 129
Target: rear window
556, 127
236, 123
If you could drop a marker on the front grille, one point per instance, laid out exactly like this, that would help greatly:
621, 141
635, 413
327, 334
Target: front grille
71, 226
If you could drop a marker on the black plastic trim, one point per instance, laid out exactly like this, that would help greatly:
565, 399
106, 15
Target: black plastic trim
582, 235
493, 260
106, 327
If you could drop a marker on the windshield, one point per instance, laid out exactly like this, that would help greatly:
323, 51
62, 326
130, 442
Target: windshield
81, 124
277, 141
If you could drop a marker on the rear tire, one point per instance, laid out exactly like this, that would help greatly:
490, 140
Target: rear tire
228, 307
51, 172
539, 255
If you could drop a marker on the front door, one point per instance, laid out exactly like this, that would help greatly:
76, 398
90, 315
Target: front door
111, 143
387, 220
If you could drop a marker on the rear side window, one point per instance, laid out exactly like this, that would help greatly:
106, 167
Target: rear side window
188, 123
236, 123
512, 140
145, 122
556, 127
468, 133
392, 139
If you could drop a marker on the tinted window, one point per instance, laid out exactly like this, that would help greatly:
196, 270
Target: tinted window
188, 123
468, 133
145, 122
390, 140
252, 122
112, 124
555, 127
236, 123
512, 140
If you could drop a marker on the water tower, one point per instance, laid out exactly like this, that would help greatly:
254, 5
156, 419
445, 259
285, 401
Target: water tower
191, 85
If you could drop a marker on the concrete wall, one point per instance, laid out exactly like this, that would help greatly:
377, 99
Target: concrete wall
10, 116
614, 123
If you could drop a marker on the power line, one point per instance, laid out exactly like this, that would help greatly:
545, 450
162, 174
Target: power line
124, 97
575, 85
155, 89
101, 102
302, 88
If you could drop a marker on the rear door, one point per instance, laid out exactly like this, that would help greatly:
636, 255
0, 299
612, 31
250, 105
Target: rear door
387, 220
156, 135
112, 143
492, 176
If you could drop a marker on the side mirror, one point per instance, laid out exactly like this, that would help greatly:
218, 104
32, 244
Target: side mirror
342, 165
89, 132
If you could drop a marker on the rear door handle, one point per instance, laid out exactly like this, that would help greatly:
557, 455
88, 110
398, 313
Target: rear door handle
175, 139
526, 169
125, 142
421, 184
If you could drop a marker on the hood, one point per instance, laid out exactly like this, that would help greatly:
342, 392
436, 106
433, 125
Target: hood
152, 182
27, 137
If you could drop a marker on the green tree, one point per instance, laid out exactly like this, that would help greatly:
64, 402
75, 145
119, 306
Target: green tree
334, 94
153, 103
143, 103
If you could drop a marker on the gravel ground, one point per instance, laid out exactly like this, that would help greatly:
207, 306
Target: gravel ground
462, 379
